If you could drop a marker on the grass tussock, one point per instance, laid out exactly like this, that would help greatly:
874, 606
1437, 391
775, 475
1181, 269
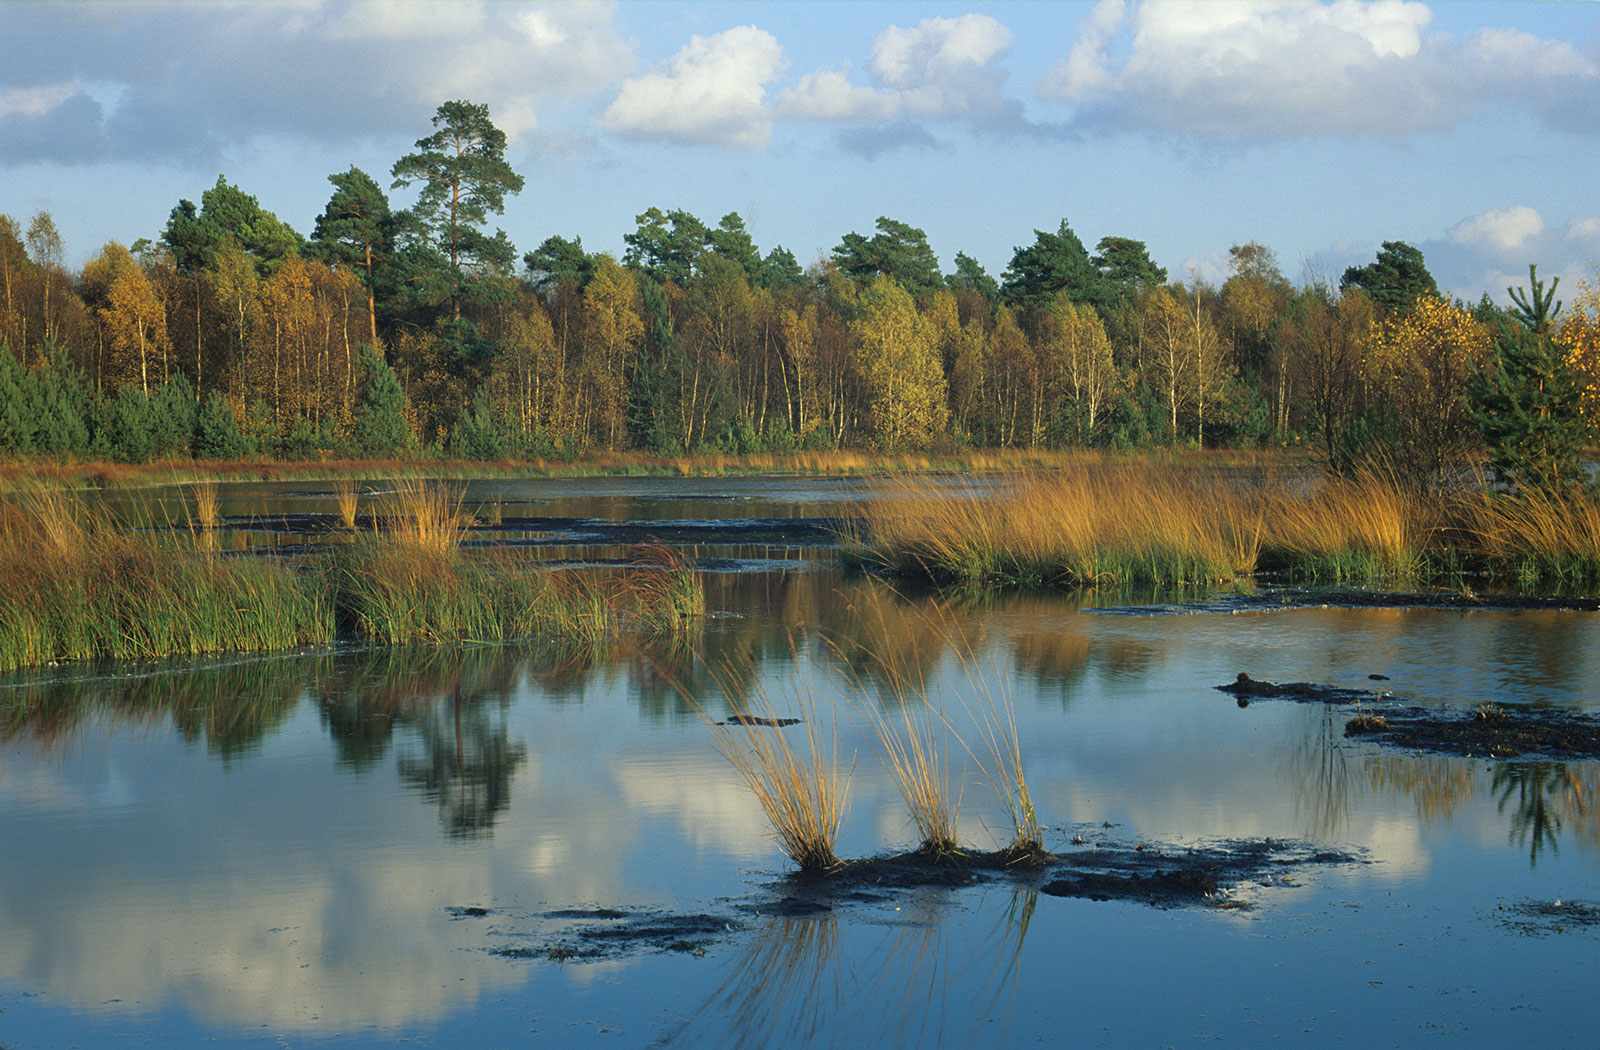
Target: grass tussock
347, 497
795, 776
912, 740
426, 515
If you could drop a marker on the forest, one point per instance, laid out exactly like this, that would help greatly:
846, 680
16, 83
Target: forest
419, 332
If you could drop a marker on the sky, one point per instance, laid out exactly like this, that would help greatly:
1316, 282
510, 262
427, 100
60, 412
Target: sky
1321, 130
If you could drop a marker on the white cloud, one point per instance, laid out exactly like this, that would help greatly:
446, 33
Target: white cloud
712, 91
828, 95
1506, 230
1584, 228
1286, 70
337, 71
38, 101
941, 69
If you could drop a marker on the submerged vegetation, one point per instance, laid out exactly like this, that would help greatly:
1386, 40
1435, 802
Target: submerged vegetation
1142, 523
82, 586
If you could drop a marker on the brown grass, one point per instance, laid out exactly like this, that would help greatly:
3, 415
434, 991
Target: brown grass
426, 515
1089, 524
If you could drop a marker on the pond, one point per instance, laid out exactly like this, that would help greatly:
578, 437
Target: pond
494, 846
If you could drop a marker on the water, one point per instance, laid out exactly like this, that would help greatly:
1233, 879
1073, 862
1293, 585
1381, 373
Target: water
290, 850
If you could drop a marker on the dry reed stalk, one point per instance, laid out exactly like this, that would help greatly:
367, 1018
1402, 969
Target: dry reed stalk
425, 515
206, 504
998, 756
801, 791
914, 754
346, 495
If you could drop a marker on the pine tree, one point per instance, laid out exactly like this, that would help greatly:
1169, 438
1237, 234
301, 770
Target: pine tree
1527, 409
380, 427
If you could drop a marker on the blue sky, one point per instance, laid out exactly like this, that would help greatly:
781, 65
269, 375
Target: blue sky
1471, 130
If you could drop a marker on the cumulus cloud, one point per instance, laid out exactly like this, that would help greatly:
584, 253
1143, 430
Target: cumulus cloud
1505, 230
939, 70
295, 72
1584, 228
1288, 70
712, 91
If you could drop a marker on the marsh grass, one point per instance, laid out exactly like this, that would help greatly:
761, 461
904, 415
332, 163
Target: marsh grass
666, 596
1079, 526
81, 586
799, 786
1145, 522
913, 741
996, 751
1364, 529
207, 506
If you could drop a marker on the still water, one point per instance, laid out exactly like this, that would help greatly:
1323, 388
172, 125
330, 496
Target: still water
362, 848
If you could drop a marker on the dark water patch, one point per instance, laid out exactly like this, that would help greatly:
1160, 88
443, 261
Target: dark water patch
1317, 598
1537, 918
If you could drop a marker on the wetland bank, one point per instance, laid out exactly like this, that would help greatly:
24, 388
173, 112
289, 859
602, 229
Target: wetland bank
484, 844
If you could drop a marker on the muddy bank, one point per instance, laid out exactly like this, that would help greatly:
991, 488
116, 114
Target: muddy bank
1486, 732
1220, 875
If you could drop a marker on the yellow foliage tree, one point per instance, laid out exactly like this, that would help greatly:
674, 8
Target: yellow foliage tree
1417, 364
896, 357
1579, 341
1082, 354
612, 331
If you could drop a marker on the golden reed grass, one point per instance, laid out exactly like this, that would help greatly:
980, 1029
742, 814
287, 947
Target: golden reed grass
800, 787
1143, 522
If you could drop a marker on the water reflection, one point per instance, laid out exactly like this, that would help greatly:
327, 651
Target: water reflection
1539, 800
931, 973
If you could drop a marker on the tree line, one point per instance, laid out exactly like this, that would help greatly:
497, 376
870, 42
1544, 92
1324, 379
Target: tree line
392, 331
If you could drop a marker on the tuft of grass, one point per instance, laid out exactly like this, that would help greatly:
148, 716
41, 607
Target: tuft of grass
914, 754
346, 496
800, 789
666, 594
998, 757
426, 515
207, 513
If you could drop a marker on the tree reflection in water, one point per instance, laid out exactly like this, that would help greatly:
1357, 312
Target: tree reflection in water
1539, 789
466, 764
1542, 799
923, 978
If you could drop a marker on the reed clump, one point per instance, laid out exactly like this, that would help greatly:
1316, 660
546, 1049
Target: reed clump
1362, 529
1145, 522
426, 515
346, 497
666, 596
1080, 525
800, 787
402, 594
80, 587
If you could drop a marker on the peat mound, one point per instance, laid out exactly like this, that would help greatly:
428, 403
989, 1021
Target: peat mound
1487, 732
